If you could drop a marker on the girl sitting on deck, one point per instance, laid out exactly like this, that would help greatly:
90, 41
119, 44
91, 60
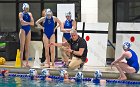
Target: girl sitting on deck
132, 65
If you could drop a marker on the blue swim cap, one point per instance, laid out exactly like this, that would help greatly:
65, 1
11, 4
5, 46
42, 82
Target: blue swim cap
126, 45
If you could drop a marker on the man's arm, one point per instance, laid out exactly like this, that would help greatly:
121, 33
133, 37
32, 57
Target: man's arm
78, 53
59, 44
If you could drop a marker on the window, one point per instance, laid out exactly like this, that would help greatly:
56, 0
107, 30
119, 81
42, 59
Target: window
7, 17
7, 0
29, 0
77, 12
9, 9
52, 6
125, 11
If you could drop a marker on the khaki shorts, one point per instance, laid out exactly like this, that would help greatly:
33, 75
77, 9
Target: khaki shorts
75, 63
65, 55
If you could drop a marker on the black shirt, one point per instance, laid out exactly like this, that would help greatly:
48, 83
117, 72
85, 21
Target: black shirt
79, 43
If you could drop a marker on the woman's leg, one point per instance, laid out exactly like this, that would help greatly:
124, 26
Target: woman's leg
122, 75
46, 45
22, 43
52, 49
27, 44
123, 67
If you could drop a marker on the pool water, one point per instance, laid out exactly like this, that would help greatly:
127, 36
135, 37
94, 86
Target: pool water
26, 82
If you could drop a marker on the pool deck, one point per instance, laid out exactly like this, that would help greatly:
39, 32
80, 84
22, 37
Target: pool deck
87, 70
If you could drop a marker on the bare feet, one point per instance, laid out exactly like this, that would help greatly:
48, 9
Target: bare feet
22, 65
122, 78
47, 65
42, 64
119, 77
26, 65
52, 66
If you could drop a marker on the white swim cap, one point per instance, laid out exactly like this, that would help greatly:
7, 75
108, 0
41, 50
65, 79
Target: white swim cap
97, 74
32, 72
79, 75
25, 5
48, 11
45, 72
63, 72
126, 45
68, 14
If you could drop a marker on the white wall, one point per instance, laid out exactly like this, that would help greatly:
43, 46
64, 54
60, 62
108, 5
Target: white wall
89, 11
105, 14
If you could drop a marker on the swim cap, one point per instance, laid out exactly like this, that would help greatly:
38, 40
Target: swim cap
126, 45
3, 71
25, 5
63, 72
48, 11
79, 75
32, 72
97, 74
68, 14
45, 72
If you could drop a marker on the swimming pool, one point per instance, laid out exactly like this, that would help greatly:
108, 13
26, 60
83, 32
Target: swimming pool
22, 80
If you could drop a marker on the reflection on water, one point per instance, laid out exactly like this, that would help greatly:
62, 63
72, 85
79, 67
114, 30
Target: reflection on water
26, 82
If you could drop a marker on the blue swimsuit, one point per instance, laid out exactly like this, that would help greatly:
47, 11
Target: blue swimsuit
67, 25
49, 25
27, 18
133, 61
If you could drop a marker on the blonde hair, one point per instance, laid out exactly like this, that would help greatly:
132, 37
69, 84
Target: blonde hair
44, 12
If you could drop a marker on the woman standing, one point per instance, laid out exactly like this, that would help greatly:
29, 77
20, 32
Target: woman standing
26, 20
49, 34
66, 27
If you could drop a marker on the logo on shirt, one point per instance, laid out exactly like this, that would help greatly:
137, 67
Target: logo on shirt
49, 21
67, 23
